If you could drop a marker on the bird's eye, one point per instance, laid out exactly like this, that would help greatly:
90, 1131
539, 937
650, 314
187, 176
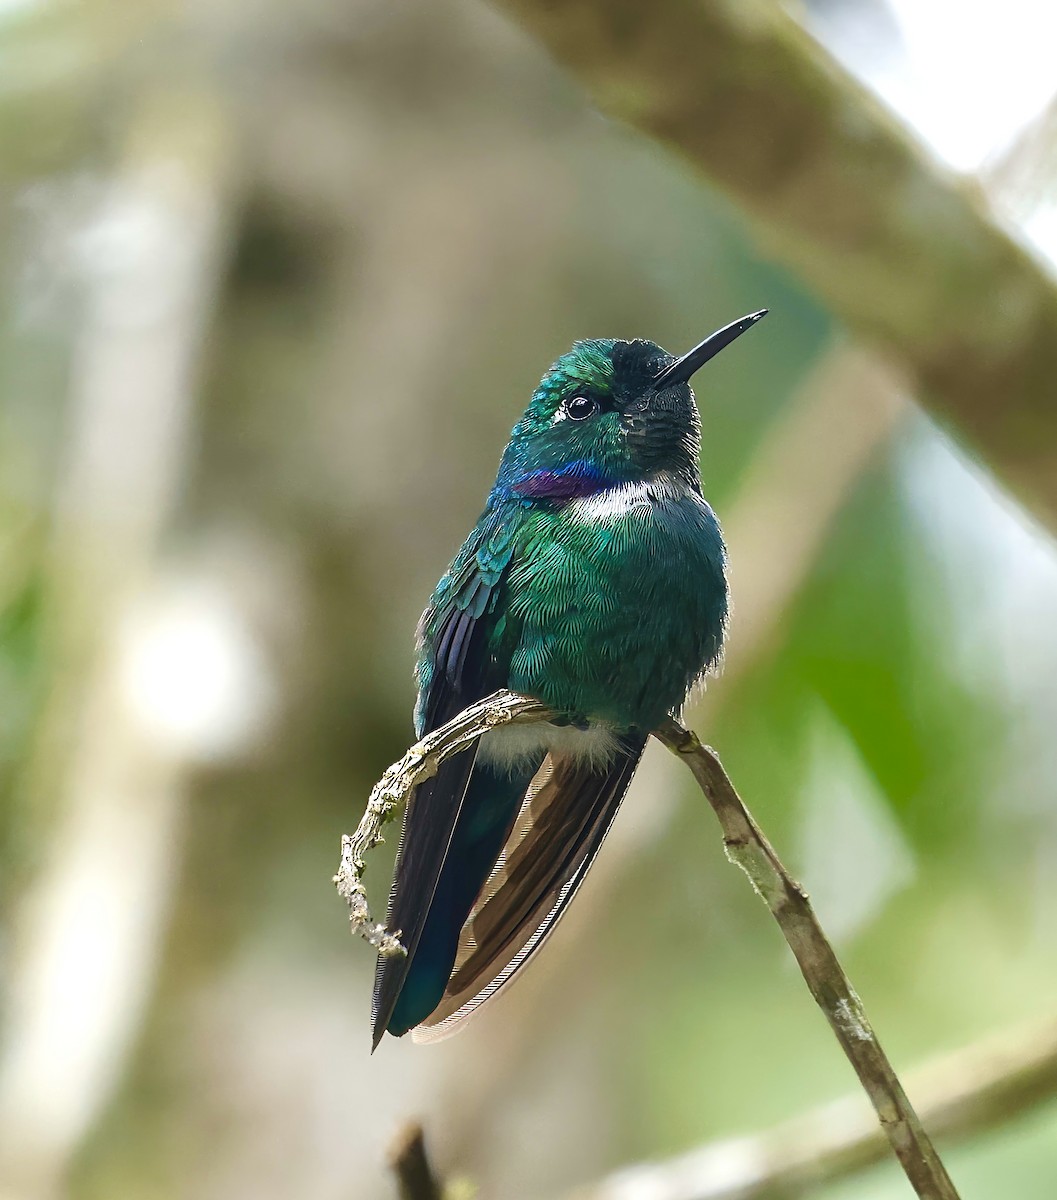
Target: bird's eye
579, 408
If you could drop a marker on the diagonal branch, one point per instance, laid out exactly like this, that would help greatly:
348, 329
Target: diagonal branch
746, 846
896, 246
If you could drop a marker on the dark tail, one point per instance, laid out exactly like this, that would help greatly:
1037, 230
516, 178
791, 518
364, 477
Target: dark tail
488, 811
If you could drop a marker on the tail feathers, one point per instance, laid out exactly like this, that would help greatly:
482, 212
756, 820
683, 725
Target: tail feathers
490, 805
429, 826
563, 820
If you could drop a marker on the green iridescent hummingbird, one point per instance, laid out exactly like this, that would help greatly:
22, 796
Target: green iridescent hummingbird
595, 581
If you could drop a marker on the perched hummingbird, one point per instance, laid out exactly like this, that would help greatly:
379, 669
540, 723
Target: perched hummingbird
594, 581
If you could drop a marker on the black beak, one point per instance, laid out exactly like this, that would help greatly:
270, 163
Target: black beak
681, 370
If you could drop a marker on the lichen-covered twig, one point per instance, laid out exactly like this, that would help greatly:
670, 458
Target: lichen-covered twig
397, 784
747, 846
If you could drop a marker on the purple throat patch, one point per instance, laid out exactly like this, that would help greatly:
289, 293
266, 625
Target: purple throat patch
568, 484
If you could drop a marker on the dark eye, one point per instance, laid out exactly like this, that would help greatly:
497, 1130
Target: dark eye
579, 408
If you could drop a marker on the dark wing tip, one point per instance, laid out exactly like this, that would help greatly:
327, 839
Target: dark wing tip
378, 1022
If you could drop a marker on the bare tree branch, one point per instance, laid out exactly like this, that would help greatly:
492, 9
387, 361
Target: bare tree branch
410, 1164
899, 248
746, 846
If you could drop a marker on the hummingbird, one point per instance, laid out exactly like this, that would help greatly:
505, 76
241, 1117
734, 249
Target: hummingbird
594, 581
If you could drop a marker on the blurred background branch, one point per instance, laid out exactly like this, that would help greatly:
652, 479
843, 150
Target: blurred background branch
974, 1090
410, 1165
152, 248
903, 252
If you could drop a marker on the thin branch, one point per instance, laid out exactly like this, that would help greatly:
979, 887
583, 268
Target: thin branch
977, 1088
410, 1164
747, 847
745, 844
900, 249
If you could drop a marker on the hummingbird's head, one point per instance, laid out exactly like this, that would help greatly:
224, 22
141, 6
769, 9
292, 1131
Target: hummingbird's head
611, 412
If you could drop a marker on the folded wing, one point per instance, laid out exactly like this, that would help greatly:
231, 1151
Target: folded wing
457, 668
